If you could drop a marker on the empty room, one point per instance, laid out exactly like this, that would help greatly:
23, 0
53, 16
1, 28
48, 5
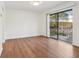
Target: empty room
39, 29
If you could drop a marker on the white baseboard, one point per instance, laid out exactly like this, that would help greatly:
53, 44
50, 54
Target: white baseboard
20, 37
3, 41
1, 49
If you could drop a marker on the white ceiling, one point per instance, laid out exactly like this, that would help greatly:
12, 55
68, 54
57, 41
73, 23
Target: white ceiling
25, 5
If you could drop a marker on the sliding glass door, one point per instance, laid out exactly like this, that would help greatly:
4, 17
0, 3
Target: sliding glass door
65, 25
61, 25
53, 26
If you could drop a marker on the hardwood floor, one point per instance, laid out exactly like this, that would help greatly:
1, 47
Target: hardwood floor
38, 47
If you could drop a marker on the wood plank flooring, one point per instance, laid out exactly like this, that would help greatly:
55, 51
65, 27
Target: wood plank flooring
38, 47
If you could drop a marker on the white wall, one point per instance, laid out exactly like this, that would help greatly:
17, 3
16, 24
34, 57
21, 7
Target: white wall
21, 23
1, 39
43, 24
1, 25
76, 25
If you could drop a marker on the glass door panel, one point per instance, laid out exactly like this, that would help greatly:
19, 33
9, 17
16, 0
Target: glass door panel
65, 26
53, 26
